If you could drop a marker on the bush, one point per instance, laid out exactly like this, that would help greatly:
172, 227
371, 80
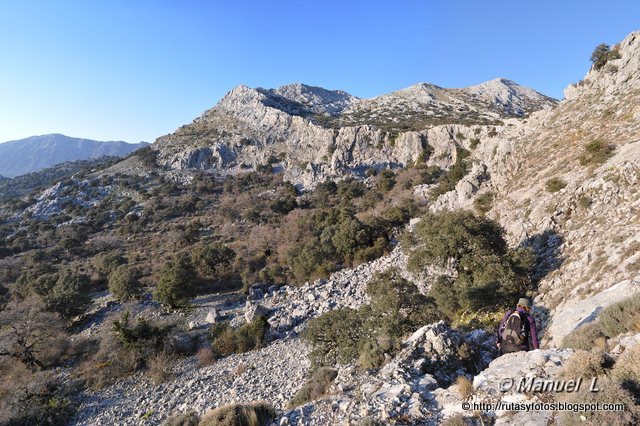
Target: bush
386, 180
160, 368
315, 387
586, 364
256, 414
69, 296
33, 397
343, 335
144, 339
602, 54
614, 320
484, 202
105, 263
627, 370
188, 418
124, 284
596, 152
555, 184
177, 283
486, 274
32, 336
448, 181
227, 340
213, 260
610, 392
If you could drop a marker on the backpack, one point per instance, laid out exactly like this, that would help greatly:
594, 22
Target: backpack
515, 329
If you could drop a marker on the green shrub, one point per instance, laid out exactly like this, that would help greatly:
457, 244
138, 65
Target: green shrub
596, 152
602, 54
256, 414
386, 180
366, 334
227, 340
177, 282
614, 320
484, 202
555, 184
315, 387
142, 336
448, 181
124, 284
213, 259
488, 274
473, 143
69, 296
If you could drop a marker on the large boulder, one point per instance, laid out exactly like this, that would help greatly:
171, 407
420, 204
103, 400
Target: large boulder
252, 311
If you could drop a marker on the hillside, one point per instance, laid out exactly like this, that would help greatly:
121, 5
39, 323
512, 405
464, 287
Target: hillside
35, 153
324, 259
314, 134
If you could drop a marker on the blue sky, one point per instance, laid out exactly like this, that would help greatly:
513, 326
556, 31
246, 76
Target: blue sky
135, 70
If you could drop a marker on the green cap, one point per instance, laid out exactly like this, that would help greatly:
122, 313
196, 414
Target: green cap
525, 302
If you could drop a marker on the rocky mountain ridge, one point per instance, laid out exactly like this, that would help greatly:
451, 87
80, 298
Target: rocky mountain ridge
315, 134
35, 153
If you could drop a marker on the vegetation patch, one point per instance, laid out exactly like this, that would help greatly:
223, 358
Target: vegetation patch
315, 387
555, 184
479, 270
596, 152
614, 320
366, 334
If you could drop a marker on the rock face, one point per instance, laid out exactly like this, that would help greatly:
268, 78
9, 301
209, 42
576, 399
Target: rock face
315, 134
38, 152
573, 314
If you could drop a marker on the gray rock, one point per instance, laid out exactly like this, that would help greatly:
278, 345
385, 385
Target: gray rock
252, 311
212, 316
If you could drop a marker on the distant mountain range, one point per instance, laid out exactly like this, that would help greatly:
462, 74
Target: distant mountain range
38, 152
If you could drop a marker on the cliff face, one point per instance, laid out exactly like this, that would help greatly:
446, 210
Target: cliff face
315, 134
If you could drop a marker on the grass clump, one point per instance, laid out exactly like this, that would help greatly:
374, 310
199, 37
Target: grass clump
484, 202
465, 387
555, 184
255, 414
187, 418
614, 320
227, 340
596, 152
315, 387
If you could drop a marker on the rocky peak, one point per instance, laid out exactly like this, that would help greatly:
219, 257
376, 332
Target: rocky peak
508, 97
316, 99
621, 74
294, 99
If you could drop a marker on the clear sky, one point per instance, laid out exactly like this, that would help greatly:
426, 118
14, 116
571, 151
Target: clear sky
134, 70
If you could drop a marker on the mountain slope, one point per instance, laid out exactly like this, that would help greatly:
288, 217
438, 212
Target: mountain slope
566, 182
38, 152
317, 134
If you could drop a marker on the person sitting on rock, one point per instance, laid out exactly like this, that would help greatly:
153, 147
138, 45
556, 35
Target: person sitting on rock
517, 330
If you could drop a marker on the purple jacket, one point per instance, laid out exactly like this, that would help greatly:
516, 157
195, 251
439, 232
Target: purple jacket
533, 335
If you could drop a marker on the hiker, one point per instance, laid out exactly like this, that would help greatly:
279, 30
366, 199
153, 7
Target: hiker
517, 331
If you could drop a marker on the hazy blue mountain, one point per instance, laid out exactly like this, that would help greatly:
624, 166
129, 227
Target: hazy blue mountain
38, 152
